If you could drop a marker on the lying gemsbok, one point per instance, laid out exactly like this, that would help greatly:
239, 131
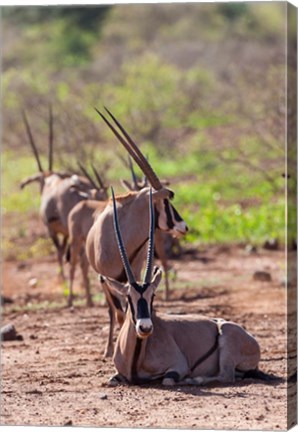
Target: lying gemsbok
59, 193
185, 349
101, 246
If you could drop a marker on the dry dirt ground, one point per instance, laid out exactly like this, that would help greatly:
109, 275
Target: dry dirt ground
57, 374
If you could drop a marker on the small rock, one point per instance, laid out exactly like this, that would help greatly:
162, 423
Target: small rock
6, 300
9, 333
251, 249
271, 244
262, 276
32, 282
103, 396
68, 423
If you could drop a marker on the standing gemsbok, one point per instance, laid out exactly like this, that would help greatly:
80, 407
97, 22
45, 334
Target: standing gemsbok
80, 220
188, 349
60, 192
101, 246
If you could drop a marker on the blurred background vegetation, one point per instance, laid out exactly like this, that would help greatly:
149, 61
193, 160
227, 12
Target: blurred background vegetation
201, 87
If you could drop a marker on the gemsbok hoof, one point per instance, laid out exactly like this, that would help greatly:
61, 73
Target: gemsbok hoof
116, 380
168, 382
112, 382
108, 352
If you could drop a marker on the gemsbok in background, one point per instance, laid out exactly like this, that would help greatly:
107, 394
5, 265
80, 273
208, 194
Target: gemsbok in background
60, 192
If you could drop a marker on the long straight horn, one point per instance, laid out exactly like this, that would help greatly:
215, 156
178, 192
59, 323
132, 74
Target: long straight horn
31, 140
123, 254
150, 253
142, 161
133, 150
51, 138
86, 174
145, 180
98, 178
133, 174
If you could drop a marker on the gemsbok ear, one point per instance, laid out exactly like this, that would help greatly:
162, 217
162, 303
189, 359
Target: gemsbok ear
162, 194
116, 287
126, 184
157, 275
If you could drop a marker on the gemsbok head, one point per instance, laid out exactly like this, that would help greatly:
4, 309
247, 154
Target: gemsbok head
167, 217
175, 349
164, 242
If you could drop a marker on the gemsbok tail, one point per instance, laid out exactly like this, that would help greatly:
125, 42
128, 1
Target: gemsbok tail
257, 374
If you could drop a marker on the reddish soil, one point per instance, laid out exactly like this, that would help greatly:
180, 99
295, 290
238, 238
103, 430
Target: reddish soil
57, 375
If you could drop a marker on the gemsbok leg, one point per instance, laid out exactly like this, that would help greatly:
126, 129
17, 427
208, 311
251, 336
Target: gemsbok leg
115, 312
246, 358
60, 248
84, 263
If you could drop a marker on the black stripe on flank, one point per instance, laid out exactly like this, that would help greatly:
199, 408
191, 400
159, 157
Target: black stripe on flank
122, 277
53, 219
207, 354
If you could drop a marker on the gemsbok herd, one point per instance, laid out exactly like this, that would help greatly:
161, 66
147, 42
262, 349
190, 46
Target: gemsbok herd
116, 237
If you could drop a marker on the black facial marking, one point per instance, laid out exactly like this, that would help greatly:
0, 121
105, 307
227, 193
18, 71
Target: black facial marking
140, 288
177, 215
156, 216
170, 223
131, 308
142, 309
151, 304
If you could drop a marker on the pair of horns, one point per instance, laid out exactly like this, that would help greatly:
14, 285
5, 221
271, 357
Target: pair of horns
100, 184
33, 145
133, 150
150, 253
135, 180
132, 171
